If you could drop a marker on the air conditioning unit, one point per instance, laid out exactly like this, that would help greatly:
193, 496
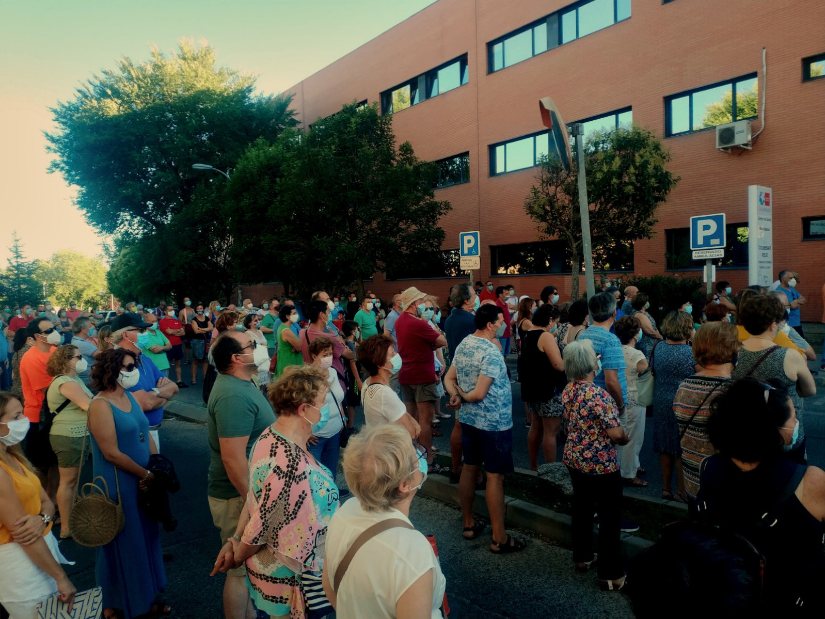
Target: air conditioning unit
734, 134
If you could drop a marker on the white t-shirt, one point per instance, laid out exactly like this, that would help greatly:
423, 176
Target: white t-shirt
632, 356
335, 423
383, 568
381, 404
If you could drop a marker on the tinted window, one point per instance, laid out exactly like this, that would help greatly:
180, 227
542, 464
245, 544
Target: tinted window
595, 15
813, 67
437, 81
453, 170
712, 105
518, 154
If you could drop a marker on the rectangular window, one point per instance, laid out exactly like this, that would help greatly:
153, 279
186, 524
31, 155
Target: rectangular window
563, 26
448, 76
453, 171
442, 264
606, 122
518, 154
813, 67
712, 105
543, 257
678, 255
813, 228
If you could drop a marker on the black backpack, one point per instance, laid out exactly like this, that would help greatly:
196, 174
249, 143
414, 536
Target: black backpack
699, 568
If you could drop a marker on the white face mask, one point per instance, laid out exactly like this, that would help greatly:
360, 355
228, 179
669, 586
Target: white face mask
171, 313
792, 282
53, 338
293, 318
127, 380
369, 307
330, 305
326, 362
18, 429
81, 366
554, 299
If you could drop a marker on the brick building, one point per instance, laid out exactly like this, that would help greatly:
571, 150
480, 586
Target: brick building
462, 79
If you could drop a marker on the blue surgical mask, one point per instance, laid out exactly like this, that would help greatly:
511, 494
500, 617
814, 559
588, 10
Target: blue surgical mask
688, 309
501, 329
598, 369
319, 425
143, 340
639, 335
728, 290
421, 307
794, 436
554, 299
395, 364
438, 316
476, 304
92, 332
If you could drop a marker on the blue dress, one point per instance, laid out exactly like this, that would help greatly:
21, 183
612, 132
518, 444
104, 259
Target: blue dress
672, 363
129, 568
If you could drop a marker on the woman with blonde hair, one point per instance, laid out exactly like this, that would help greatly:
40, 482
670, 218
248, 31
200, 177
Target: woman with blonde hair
393, 571
292, 497
30, 569
68, 399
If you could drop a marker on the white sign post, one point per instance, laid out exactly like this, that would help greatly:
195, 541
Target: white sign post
707, 240
760, 235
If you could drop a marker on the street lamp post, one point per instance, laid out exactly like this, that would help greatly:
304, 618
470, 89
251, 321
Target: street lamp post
205, 167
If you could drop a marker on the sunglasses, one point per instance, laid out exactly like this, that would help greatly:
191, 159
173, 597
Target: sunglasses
78, 357
128, 368
47, 331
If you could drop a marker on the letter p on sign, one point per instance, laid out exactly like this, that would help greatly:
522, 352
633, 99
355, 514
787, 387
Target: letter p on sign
469, 244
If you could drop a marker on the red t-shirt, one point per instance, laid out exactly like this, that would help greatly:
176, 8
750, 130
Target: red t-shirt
18, 322
416, 343
487, 294
506, 311
74, 314
34, 379
171, 324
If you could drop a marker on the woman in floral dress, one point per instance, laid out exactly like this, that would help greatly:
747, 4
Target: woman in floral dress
292, 497
593, 431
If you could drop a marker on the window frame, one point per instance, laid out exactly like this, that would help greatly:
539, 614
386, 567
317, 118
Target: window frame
806, 228
421, 84
445, 159
691, 91
491, 149
806, 67
556, 18
616, 113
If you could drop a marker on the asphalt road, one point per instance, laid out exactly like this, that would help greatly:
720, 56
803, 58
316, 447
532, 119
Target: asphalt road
538, 582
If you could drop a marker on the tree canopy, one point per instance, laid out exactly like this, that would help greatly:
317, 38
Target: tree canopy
627, 179
68, 276
340, 202
18, 283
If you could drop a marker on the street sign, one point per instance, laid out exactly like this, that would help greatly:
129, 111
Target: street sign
469, 249
708, 231
760, 235
707, 254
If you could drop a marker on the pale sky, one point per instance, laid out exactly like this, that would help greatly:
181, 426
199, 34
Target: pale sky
49, 47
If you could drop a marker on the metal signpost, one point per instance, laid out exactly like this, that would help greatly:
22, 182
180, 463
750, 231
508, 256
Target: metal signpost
760, 235
469, 249
707, 241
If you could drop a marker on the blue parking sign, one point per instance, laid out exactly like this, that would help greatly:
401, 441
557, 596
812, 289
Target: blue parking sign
708, 232
468, 244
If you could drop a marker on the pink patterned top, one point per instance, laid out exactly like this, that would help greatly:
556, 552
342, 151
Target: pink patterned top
291, 499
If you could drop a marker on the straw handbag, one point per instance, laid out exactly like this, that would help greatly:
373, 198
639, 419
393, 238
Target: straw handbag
96, 519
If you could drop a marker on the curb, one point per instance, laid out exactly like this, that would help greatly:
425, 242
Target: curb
523, 515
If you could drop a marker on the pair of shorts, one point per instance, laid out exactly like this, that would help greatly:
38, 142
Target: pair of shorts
198, 350
420, 393
493, 450
67, 449
175, 353
547, 408
225, 516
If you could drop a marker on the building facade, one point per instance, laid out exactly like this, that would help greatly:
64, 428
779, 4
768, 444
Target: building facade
462, 79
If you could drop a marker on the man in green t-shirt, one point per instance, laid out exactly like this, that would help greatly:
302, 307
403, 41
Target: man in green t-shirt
154, 344
237, 414
269, 325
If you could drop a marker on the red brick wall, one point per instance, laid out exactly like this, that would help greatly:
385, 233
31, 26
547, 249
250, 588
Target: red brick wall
660, 50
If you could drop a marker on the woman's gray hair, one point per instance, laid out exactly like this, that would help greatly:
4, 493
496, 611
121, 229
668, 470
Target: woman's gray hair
375, 463
579, 359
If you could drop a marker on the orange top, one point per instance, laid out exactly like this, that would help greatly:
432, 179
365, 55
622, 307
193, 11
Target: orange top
27, 487
34, 380
780, 340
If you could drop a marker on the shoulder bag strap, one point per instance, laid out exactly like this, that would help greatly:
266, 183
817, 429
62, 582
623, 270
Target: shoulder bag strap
338, 404
693, 416
66, 401
368, 534
759, 361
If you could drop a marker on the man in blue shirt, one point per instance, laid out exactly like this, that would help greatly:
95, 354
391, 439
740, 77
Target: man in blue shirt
389, 322
153, 389
461, 322
602, 308
787, 284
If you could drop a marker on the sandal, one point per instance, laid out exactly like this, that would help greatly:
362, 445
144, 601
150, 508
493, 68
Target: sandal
510, 545
634, 482
475, 530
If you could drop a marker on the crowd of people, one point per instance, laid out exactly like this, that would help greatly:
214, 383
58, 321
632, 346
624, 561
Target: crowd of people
282, 383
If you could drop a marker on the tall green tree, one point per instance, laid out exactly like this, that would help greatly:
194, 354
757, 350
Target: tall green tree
627, 179
19, 283
332, 206
69, 276
129, 136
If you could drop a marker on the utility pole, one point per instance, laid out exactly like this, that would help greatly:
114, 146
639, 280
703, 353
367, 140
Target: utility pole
584, 211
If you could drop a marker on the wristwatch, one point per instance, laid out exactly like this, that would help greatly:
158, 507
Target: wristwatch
45, 518
156, 391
